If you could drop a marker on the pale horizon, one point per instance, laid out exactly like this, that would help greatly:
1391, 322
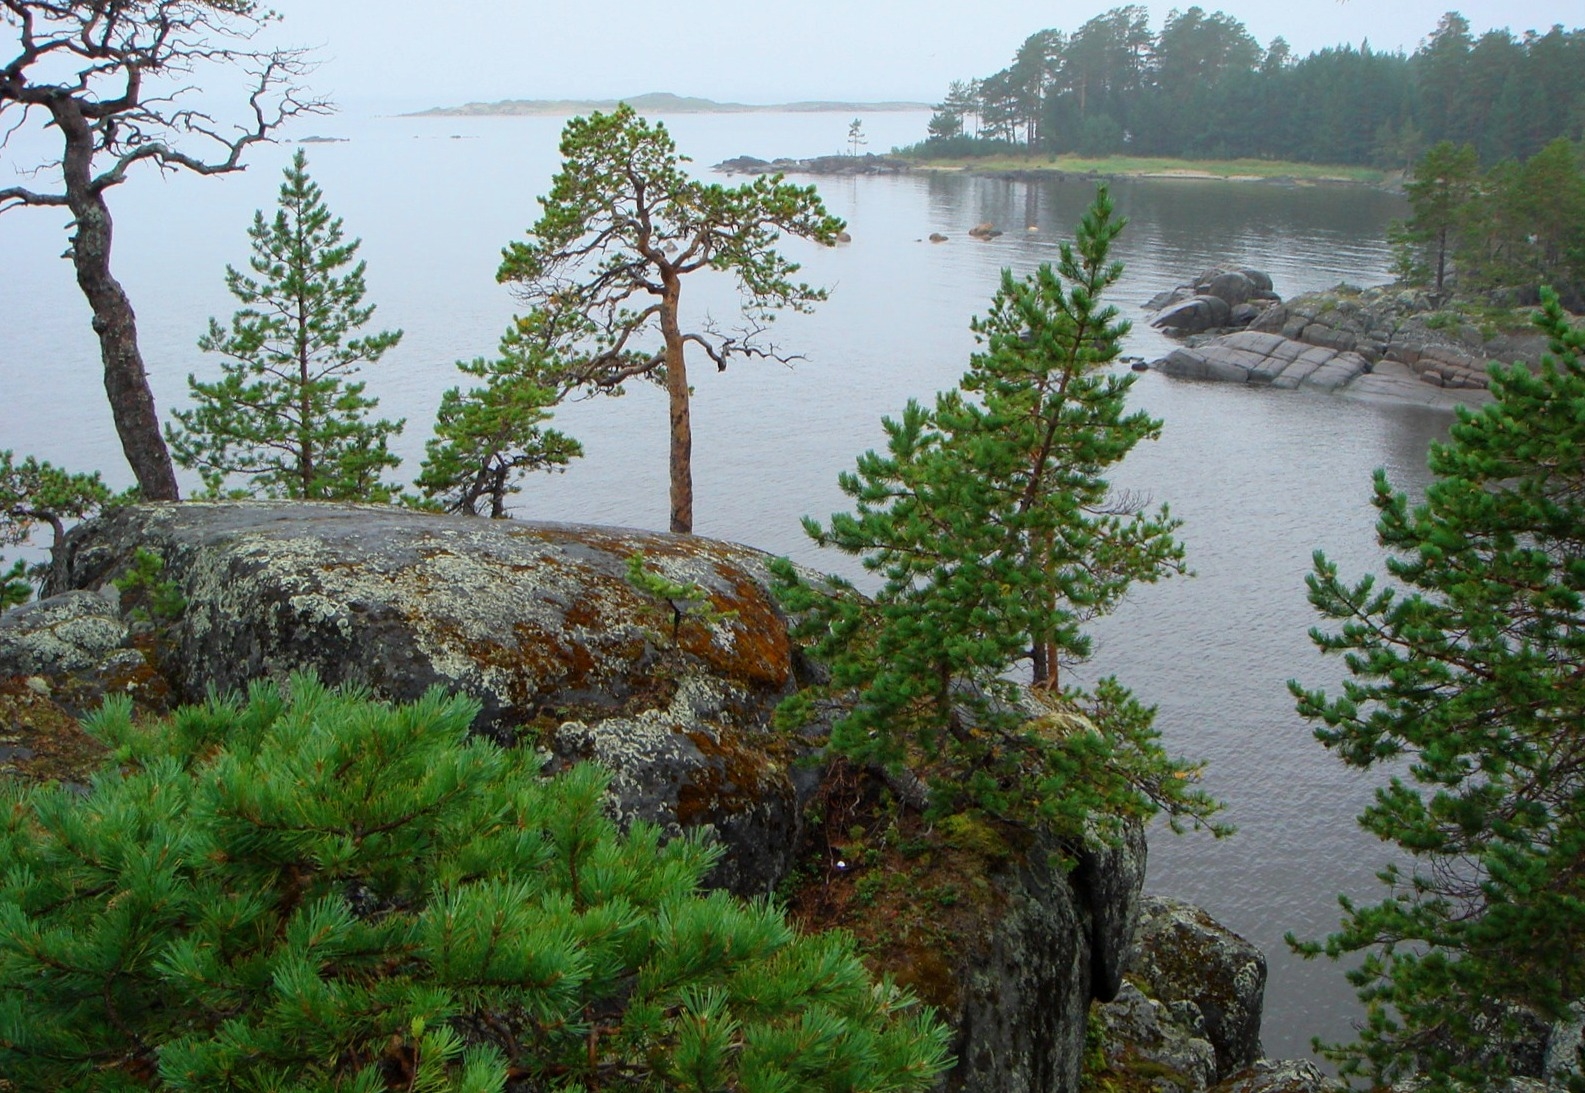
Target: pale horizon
397, 52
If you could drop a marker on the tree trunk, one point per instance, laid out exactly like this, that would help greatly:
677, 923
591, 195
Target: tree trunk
681, 424
126, 381
1044, 662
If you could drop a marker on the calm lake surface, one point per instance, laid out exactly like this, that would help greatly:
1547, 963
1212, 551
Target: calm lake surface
1261, 478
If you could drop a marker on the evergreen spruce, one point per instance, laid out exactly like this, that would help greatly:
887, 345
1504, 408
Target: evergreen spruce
996, 536
1466, 680
285, 417
310, 891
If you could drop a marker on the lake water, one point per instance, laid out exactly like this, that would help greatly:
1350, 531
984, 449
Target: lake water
1261, 478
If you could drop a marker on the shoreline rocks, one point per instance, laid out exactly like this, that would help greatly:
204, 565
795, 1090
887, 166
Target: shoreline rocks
1188, 1018
1261, 359
1377, 343
541, 625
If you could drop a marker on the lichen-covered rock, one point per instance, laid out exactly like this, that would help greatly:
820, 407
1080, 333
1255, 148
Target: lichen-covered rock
1108, 883
1026, 991
1565, 1050
537, 622
1156, 1047
1279, 1076
1183, 955
541, 624
1528, 1046
59, 658
77, 632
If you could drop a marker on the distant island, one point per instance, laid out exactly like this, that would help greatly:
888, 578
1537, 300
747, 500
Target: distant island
659, 102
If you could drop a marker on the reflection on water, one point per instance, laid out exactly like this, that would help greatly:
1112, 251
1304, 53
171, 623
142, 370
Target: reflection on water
1261, 478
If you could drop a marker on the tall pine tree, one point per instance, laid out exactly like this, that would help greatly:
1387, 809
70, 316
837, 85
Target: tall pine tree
1466, 680
285, 417
997, 537
1445, 180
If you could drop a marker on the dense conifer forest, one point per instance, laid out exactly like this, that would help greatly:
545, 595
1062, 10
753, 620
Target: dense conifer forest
1203, 87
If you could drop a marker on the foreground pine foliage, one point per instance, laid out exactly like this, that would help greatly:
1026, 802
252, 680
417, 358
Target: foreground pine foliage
1465, 683
308, 890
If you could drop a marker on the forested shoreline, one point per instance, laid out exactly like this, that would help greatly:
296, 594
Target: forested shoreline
1203, 86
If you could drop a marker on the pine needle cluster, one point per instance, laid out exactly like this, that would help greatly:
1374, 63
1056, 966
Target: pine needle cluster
307, 890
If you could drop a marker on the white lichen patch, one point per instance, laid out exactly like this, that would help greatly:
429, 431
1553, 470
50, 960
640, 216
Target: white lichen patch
648, 759
65, 636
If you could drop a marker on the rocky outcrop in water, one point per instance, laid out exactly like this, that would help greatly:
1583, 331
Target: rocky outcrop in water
540, 624
1265, 359
1381, 342
867, 164
1192, 1005
1216, 299
1187, 959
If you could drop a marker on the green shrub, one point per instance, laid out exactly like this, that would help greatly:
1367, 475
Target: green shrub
309, 890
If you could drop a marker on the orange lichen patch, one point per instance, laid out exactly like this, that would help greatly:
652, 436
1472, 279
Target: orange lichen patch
759, 652
40, 741
742, 772
617, 542
920, 899
754, 650
586, 612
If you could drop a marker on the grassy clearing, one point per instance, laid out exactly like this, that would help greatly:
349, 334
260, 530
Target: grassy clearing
1162, 167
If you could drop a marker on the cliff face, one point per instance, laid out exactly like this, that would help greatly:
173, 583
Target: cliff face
541, 624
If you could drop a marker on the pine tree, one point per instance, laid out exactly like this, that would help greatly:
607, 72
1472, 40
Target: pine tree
1444, 182
489, 437
307, 890
1466, 680
286, 417
622, 228
996, 538
33, 493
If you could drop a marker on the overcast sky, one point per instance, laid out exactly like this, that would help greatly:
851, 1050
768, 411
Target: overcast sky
753, 51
